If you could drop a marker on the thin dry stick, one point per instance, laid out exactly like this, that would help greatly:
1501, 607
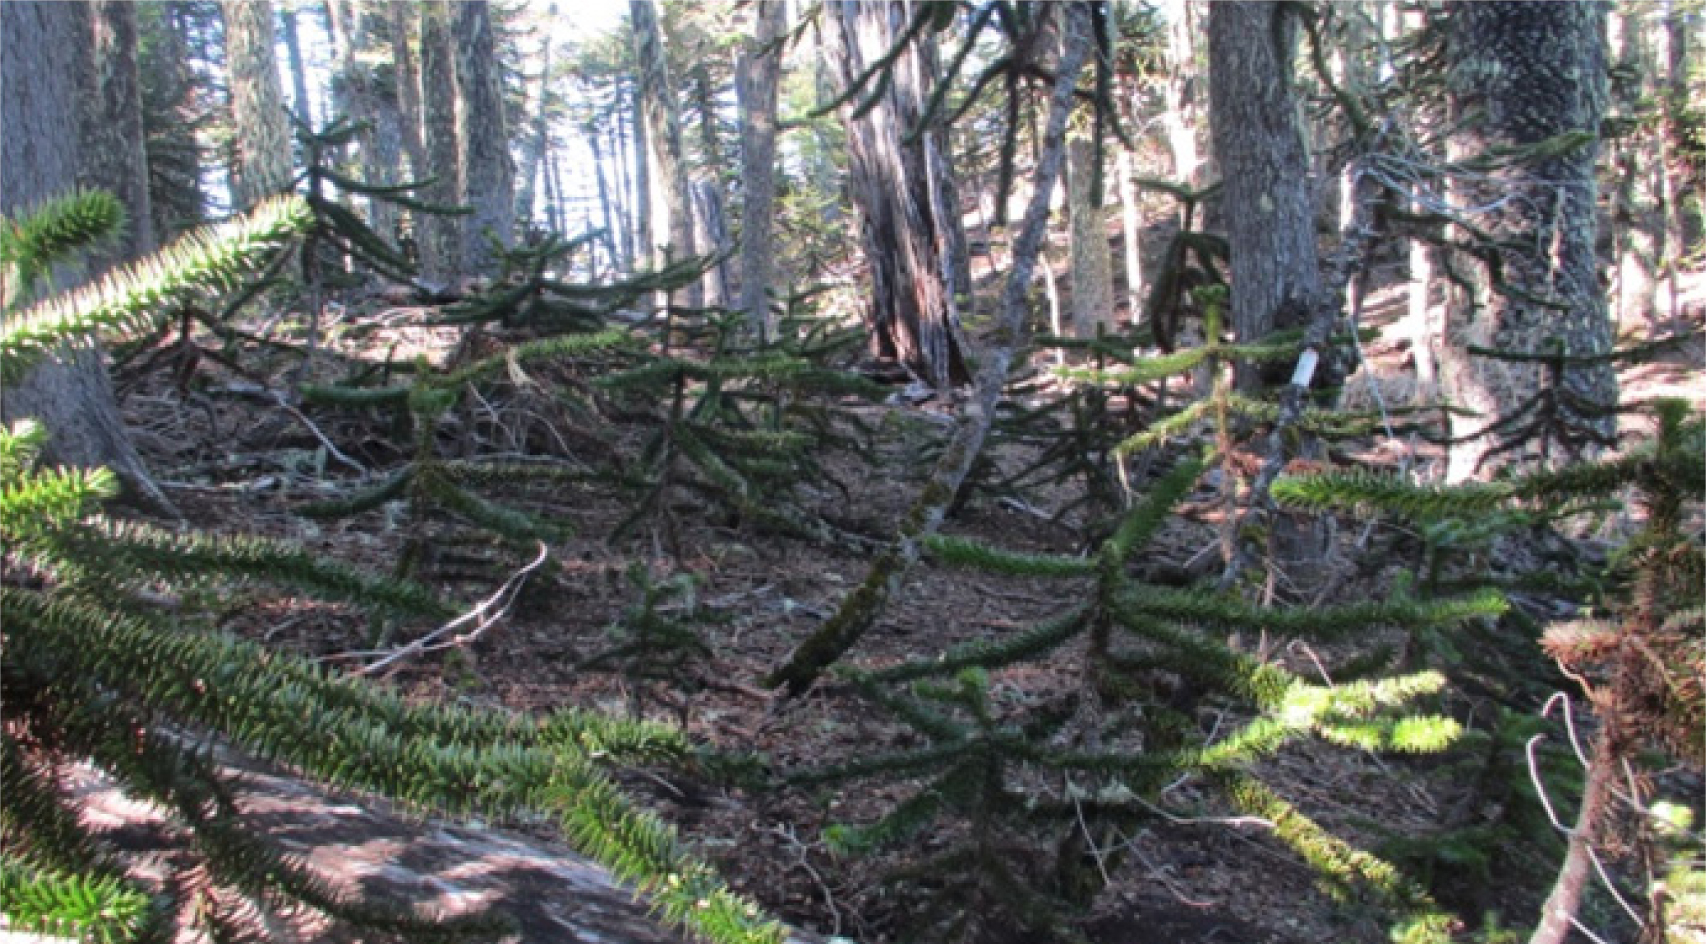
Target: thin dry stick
484, 615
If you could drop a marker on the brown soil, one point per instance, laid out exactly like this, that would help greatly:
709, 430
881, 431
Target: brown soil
237, 464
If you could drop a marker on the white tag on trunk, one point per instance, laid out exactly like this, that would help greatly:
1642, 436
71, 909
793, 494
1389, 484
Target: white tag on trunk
1305, 369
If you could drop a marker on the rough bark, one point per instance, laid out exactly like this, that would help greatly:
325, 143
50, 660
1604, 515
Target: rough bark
1092, 264
439, 237
910, 317
1522, 73
114, 154
488, 173
70, 395
261, 164
1276, 278
661, 112
758, 72
859, 611
1259, 144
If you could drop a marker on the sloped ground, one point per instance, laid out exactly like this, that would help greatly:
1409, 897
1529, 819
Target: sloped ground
236, 464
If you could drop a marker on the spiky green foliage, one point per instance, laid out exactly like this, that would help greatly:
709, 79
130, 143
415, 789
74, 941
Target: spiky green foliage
983, 764
53, 233
89, 908
133, 298
94, 672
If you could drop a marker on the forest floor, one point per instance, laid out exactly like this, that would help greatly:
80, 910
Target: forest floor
236, 464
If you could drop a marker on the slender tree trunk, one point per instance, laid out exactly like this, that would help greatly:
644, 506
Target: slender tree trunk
710, 230
662, 116
533, 153
261, 165
408, 83
364, 98
488, 173
606, 212
441, 236
1636, 226
41, 54
624, 190
1181, 115
758, 72
1092, 264
1522, 73
910, 315
114, 154
1131, 223
299, 101
174, 159
645, 236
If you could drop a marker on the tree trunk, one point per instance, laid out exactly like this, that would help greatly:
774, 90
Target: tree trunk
607, 213
533, 151
645, 239
40, 58
858, 612
910, 318
758, 72
710, 231
173, 155
1181, 114
1259, 145
1521, 73
365, 98
440, 237
1258, 142
1131, 223
1636, 222
408, 88
114, 154
261, 165
299, 101
623, 198
662, 116
1092, 264
488, 173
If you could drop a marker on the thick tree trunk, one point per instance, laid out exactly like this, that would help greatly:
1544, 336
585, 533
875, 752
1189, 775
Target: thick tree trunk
440, 237
1276, 278
261, 165
1092, 264
40, 44
1522, 73
758, 72
910, 316
1258, 143
488, 173
114, 154
662, 117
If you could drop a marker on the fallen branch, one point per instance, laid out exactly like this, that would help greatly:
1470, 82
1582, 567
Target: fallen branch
484, 616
